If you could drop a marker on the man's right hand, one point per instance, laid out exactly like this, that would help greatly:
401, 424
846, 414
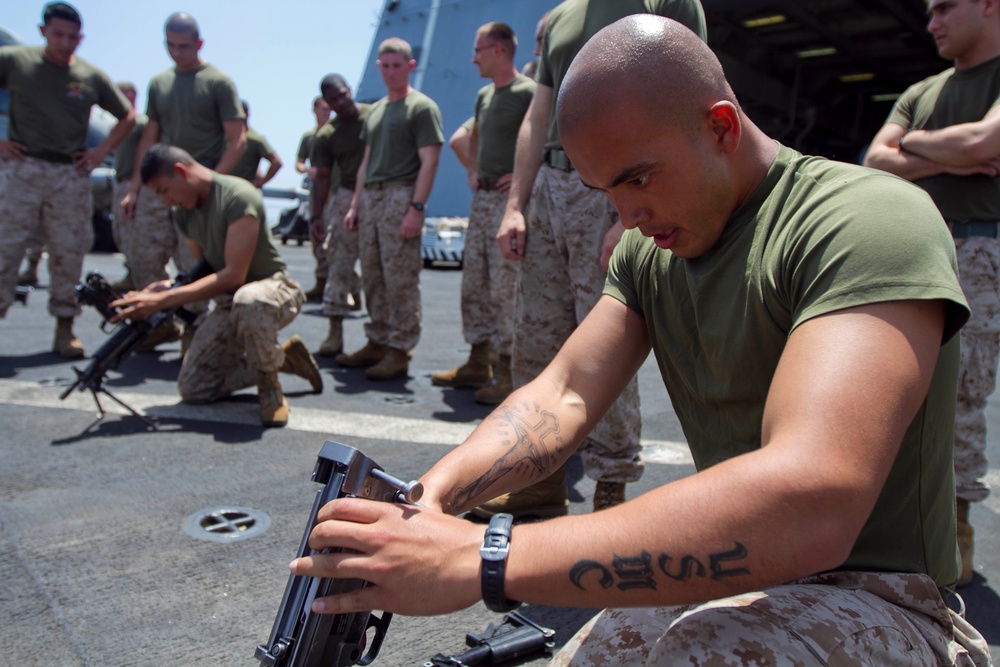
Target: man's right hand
351, 220
128, 203
11, 150
512, 235
317, 230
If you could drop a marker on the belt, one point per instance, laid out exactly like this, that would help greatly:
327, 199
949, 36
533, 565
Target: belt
488, 185
557, 159
381, 185
963, 229
49, 156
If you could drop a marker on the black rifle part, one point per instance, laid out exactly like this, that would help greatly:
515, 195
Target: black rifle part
301, 638
126, 337
21, 295
516, 637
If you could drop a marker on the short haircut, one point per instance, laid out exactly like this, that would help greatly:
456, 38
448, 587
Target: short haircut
126, 87
331, 80
61, 10
160, 159
501, 33
396, 45
183, 23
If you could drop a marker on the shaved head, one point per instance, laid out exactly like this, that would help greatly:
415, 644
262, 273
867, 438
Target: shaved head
644, 61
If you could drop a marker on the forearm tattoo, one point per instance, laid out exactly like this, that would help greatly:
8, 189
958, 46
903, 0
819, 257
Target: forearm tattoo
529, 432
640, 572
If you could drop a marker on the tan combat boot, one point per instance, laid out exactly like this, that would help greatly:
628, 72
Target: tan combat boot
333, 344
66, 344
167, 331
473, 374
316, 293
542, 500
299, 362
608, 494
965, 545
395, 365
273, 404
495, 392
369, 355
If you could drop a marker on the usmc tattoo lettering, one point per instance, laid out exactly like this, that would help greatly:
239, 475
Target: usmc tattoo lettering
628, 573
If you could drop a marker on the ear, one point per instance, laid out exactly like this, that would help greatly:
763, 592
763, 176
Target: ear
724, 120
181, 171
413, 63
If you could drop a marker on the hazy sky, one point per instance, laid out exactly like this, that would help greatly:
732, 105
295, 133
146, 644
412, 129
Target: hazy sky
275, 50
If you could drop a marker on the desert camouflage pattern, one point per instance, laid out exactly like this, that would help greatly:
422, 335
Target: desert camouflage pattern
978, 267
489, 281
238, 338
341, 248
319, 251
839, 618
390, 267
560, 281
151, 239
44, 203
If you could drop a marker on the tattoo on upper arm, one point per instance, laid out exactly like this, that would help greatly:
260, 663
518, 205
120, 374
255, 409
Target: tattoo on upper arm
527, 431
636, 572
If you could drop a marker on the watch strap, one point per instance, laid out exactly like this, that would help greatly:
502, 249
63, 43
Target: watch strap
496, 546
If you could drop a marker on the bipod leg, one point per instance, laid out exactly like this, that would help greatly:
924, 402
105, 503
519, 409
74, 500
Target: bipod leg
149, 422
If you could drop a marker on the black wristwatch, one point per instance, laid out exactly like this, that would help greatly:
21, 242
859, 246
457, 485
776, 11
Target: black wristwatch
496, 546
417, 205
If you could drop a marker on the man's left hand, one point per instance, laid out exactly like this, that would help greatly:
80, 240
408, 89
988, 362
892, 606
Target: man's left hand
412, 225
420, 562
85, 161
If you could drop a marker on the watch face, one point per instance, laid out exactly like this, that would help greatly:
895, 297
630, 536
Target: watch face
417, 205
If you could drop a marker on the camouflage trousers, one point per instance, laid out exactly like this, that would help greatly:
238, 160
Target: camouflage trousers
390, 267
560, 281
489, 281
979, 273
44, 203
150, 239
319, 250
839, 618
341, 248
238, 338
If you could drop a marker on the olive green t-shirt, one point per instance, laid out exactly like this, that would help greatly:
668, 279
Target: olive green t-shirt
395, 131
50, 105
339, 147
499, 112
574, 22
815, 237
230, 199
191, 107
258, 148
306, 144
125, 153
950, 98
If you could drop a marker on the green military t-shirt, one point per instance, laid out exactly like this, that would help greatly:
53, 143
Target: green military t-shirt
499, 112
340, 148
125, 153
574, 22
950, 98
395, 131
306, 144
229, 199
258, 148
191, 107
50, 105
815, 237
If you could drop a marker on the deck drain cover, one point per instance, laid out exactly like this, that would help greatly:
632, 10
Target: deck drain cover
228, 524
400, 399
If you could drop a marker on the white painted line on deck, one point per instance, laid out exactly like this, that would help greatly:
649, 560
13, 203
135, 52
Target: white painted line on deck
311, 420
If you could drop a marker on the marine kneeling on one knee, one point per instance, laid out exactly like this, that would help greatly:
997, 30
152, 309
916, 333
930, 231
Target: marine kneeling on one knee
236, 344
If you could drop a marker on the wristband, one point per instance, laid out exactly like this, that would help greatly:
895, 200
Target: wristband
496, 547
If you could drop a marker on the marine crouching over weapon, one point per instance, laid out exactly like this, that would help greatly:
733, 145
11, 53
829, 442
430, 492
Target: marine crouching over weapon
126, 336
302, 638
